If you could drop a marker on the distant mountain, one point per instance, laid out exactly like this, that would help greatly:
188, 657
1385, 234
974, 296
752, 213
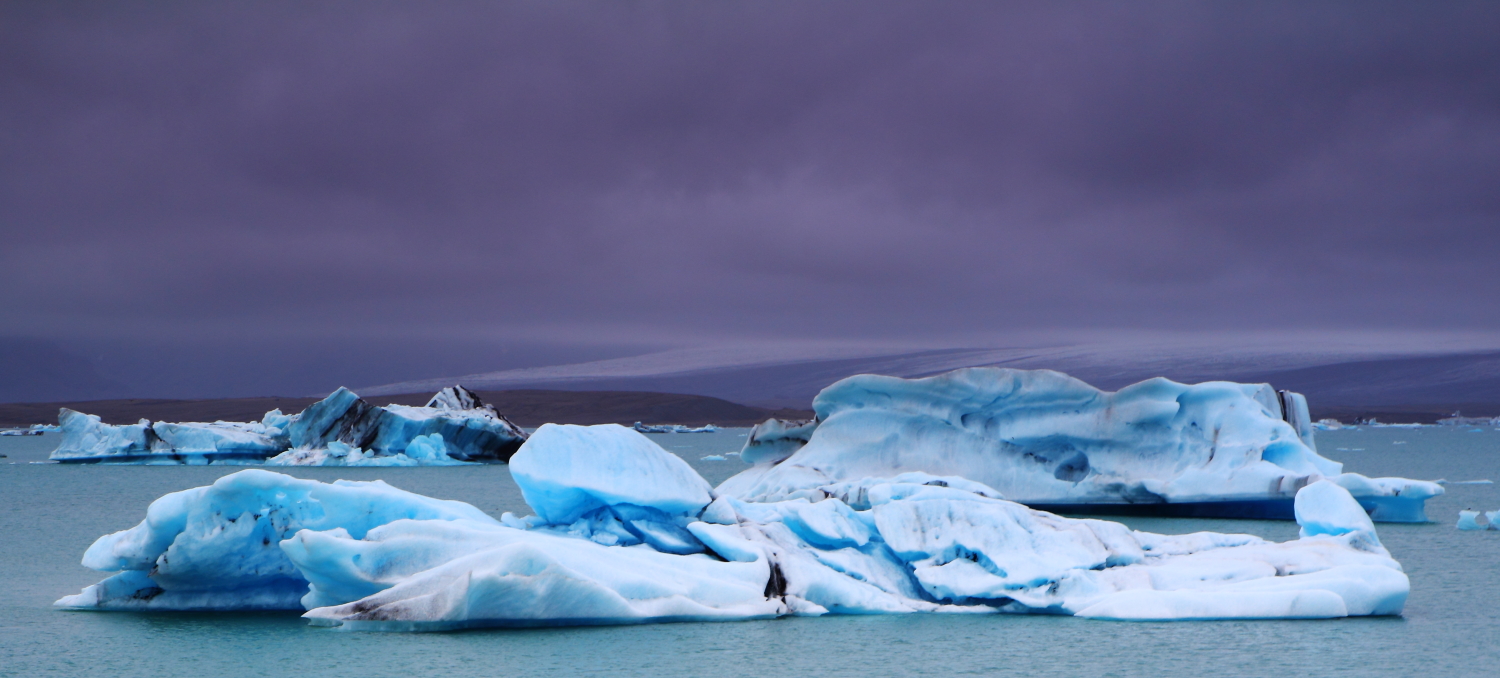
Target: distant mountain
524, 407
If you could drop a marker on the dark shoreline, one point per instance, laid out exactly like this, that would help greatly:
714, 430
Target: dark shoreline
524, 407
534, 407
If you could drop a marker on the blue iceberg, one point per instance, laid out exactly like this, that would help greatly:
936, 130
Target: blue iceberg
1052, 442
86, 439
673, 428
776, 439
626, 533
341, 430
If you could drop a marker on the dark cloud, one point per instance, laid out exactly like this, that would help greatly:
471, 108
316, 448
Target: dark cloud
601, 175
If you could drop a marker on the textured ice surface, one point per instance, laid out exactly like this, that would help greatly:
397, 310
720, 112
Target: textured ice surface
428, 450
673, 428
87, 439
474, 434
1044, 438
1469, 520
776, 439
565, 471
218, 547
341, 430
627, 533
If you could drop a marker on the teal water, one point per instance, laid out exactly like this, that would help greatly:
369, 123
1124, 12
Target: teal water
51, 513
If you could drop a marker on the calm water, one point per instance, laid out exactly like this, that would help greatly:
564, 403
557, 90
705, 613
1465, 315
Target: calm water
51, 513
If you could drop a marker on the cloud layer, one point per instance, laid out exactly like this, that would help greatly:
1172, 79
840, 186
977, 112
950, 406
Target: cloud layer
610, 174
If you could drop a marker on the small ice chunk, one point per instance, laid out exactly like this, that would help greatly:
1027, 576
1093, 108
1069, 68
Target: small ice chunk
1324, 508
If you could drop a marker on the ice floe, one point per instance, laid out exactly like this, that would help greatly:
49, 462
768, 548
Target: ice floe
1050, 441
1468, 519
776, 439
625, 532
673, 428
342, 429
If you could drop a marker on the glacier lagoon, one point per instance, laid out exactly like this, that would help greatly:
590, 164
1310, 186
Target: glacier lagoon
63, 509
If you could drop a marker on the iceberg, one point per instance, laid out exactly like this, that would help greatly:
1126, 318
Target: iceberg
673, 428
86, 439
1469, 520
471, 430
1047, 440
218, 547
776, 439
428, 450
1328, 425
343, 430
625, 532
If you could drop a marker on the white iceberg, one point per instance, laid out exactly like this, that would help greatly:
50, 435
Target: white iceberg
607, 546
428, 450
1469, 520
20, 432
610, 484
1050, 441
673, 428
86, 439
342, 430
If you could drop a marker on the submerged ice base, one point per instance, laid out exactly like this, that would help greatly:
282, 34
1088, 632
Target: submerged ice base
627, 533
1045, 439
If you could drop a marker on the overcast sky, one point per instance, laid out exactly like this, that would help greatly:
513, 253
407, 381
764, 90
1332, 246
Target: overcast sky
240, 189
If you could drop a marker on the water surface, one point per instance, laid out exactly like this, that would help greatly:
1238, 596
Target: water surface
51, 513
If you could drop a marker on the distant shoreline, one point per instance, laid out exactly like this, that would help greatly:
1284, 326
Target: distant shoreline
526, 407
534, 407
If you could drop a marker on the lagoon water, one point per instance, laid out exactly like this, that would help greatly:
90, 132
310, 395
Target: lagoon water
51, 513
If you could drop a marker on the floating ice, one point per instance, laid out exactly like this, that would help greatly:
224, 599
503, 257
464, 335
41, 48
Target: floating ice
218, 547
1048, 440
625, 532
565, 471
428, 450
341, 429
1469, 520
87, 439
474, 433
673, 428
775, 439
1459, 420
1328, 425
